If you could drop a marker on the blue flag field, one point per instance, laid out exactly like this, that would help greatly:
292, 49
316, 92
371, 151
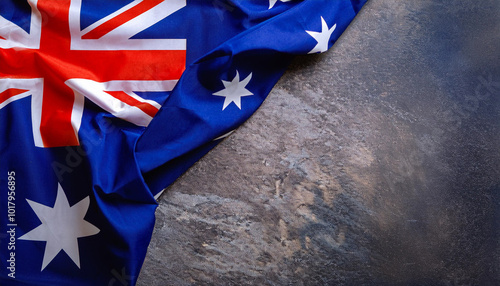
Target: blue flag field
103, 104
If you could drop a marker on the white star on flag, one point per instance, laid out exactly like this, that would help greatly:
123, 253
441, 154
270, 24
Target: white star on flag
61, 227
234, 90
322, 37
273, 2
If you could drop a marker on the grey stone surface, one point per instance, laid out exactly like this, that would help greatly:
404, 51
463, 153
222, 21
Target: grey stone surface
375, 163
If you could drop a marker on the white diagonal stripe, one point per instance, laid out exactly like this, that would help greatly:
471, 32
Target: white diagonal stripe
96, 92
119, 38
15, 37
35, 89
145, 20
105, 19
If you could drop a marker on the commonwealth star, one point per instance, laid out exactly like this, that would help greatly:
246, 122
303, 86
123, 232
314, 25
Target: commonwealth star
61, 227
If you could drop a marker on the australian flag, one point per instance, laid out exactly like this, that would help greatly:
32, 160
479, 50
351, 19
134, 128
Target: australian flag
103, 104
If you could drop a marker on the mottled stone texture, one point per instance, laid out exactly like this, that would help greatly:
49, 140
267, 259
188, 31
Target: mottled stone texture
375, 163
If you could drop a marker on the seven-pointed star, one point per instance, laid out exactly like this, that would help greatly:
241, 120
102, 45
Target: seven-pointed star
234, 90
61, 227
322, 37
272, 2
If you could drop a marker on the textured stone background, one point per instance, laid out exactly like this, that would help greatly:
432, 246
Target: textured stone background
375, 163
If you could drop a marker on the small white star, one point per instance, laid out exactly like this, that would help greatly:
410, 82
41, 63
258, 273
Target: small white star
322, 37
234, 90
273, 2
61, 227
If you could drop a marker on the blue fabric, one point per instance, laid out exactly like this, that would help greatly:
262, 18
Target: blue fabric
120, 167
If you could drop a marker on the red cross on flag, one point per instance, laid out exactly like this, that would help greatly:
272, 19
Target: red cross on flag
59, 64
